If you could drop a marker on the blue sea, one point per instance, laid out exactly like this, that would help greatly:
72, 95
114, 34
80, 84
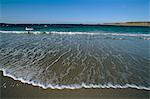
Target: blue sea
74, 56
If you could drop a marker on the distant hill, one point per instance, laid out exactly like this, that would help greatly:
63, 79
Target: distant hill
129, 24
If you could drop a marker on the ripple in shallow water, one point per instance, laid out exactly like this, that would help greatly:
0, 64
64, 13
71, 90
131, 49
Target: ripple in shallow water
61, 60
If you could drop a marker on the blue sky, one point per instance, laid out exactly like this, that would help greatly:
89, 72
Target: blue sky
73, 11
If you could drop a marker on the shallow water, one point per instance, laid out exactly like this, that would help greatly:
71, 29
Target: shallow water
59, 60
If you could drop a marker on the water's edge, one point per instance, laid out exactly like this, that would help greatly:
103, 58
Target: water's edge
74, 86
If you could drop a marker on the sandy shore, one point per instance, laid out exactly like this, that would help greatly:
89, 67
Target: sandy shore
11, 89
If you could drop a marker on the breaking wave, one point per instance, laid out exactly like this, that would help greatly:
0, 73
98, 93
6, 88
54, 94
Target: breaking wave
75, 33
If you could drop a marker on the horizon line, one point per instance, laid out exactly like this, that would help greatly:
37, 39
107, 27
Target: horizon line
81, 23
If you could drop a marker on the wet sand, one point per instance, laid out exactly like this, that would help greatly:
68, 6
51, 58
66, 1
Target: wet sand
11, 89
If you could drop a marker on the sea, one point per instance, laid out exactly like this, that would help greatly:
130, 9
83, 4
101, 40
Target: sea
73, 56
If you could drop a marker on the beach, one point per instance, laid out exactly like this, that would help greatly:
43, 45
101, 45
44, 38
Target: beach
74, 49
11, 89
74, 61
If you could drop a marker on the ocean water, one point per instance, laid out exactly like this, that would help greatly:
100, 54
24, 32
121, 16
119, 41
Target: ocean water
76, 56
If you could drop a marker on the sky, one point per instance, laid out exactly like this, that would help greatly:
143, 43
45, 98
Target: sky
73, 11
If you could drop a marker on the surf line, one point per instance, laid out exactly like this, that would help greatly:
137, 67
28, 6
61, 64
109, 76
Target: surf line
74, 86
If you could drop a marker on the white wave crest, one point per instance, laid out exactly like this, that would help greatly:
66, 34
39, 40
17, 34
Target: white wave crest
23, 32
88, 33
75, 33
75, 86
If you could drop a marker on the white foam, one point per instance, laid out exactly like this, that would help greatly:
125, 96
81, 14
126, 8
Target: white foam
76, 33
75, 86
89, 33
146, 38
17, 32
22, 32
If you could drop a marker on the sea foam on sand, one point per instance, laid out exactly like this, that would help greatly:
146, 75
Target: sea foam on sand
74, 86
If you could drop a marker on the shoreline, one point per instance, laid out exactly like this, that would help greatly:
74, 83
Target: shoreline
74, 86
15, 89
58, 61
